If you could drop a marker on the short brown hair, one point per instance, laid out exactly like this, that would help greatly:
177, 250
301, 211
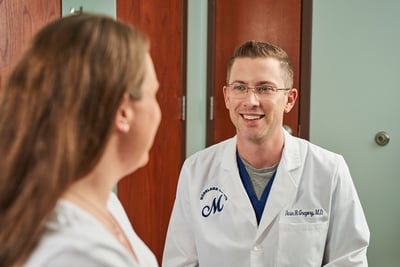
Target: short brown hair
256, 49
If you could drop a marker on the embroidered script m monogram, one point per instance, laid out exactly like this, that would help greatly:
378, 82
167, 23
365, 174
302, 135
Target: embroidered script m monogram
216, 206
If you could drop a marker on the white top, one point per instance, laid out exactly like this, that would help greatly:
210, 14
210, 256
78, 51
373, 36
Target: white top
313, 216
75, 238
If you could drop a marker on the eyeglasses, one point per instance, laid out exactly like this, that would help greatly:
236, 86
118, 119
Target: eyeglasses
239, 90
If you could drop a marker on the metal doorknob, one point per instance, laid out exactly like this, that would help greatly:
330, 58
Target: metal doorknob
382, 138
76, 11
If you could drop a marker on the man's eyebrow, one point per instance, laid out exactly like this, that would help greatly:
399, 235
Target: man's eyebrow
265, 82
257, 83
238, 81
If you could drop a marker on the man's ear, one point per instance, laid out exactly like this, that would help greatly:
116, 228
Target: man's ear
226, 96
291, 99
124, 117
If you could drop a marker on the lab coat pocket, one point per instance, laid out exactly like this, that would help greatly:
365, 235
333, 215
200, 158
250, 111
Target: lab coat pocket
301, 244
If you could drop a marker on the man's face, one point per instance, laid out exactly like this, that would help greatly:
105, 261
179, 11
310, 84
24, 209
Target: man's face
258, 118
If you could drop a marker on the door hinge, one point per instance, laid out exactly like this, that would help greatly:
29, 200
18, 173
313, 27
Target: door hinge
183, 108
211, 108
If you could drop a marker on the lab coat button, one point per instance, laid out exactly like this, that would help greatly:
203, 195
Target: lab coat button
257, 248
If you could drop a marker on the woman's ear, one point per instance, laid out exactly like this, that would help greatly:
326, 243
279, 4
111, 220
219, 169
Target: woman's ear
125, 115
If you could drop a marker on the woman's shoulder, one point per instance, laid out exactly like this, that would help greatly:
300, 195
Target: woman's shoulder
73, 237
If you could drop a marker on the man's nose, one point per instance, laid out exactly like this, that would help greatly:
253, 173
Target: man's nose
252, 96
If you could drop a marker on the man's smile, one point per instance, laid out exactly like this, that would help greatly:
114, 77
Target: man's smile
251, 116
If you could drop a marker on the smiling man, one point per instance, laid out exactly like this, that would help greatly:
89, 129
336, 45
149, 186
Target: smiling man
264, 197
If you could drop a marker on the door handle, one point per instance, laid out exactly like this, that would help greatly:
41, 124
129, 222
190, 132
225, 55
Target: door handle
382, 138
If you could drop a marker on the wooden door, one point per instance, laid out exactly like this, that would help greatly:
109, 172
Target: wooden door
148, 194
19, 21
231, 23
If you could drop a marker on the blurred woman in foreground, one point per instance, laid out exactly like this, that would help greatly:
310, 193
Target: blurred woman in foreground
78, 113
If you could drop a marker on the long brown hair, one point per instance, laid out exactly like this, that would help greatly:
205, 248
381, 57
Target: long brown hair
56, 114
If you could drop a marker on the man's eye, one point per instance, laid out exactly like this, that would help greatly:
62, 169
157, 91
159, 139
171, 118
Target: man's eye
265, 89
239, 87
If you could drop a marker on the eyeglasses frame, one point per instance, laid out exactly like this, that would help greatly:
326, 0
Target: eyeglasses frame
275, 89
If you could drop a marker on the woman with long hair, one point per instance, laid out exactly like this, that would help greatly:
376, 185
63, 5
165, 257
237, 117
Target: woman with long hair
78, 113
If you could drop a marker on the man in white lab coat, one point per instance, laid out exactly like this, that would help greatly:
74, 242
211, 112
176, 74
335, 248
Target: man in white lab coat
264, 197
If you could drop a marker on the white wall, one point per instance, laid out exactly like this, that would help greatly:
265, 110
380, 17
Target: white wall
107, 7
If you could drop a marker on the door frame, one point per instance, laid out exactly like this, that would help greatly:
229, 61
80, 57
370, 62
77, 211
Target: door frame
305, 69
304, 79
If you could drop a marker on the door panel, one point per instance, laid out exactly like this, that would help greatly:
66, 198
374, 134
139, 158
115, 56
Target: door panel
355, 92
148, 194
231, 24
19, 21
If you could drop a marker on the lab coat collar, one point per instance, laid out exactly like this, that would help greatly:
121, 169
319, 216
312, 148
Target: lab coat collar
291, 153
283, 189
238, 194
229, 154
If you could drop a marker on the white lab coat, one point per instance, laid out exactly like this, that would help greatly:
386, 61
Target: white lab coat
313, 216
74, 237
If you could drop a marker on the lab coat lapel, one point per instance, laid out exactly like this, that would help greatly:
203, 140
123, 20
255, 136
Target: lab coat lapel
237, 193
285, 185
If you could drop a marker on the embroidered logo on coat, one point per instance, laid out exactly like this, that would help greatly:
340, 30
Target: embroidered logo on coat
214, 201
